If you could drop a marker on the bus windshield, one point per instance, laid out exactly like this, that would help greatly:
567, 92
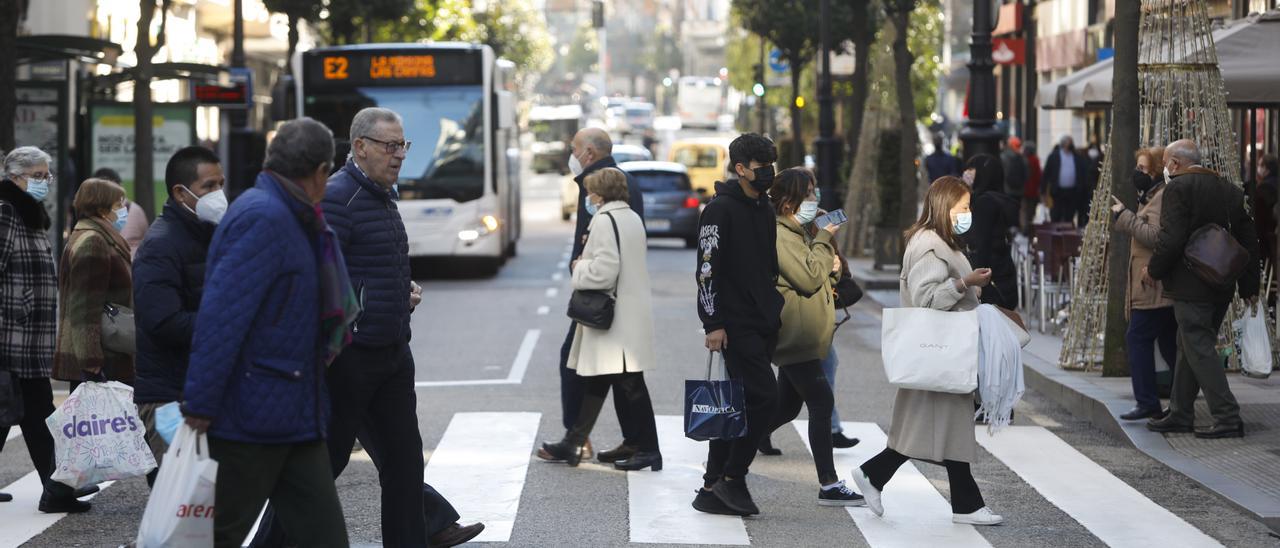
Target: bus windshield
444, 123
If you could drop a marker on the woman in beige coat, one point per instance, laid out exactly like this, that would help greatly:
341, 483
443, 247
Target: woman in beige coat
935, 427
1150, 312
613, 260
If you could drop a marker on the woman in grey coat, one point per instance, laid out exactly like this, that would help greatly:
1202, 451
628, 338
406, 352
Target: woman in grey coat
935, 427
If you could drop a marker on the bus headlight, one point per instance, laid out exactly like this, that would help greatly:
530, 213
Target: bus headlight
488, 224
469, 235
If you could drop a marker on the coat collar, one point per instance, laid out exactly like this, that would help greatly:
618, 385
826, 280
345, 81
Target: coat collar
600, 164
1194, 170
32, 212
790, 223
361, 178
612, 206
95, 224
201, 229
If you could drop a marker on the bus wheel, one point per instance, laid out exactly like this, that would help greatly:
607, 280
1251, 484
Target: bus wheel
511, 249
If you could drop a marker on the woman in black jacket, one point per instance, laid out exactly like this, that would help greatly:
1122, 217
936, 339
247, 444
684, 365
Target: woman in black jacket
995, 216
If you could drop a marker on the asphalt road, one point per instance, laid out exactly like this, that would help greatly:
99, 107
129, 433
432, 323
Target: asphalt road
491, 345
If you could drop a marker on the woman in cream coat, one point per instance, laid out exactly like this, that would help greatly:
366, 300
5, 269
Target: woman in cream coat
935, 427
618, 356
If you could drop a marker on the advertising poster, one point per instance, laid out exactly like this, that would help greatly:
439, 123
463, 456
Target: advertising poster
112, 142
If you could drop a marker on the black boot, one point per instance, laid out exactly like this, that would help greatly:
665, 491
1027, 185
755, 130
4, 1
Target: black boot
621, 452
569, 449
767, 448
640, 461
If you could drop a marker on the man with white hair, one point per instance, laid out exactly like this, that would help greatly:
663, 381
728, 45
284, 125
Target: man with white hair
1195, 199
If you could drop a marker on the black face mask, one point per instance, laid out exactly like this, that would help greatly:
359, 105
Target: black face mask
764, 178
1142, 181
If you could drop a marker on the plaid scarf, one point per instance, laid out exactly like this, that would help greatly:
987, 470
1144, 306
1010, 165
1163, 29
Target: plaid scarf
338, 305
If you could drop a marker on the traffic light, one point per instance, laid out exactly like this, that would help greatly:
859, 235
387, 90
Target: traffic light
597, 14
757, 72
799, 101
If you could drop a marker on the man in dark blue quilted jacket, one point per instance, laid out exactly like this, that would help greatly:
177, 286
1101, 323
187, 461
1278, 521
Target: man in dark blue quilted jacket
255, 381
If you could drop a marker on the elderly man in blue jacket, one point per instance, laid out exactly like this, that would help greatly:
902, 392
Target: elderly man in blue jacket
276, 309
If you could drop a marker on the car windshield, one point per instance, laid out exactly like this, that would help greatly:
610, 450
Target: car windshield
445, 124
661, 181
550, 131
696, 156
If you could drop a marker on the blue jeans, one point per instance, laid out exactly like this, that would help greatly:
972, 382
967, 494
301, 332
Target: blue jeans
1146, 329
829, 365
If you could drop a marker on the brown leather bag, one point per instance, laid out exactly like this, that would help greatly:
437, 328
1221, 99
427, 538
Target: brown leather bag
1214, 256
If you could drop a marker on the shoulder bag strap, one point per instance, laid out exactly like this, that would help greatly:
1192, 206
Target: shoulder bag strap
618, 240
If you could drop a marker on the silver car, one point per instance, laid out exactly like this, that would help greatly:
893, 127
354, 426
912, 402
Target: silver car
671, 208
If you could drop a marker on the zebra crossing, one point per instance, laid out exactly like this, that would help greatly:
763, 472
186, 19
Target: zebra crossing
496, 449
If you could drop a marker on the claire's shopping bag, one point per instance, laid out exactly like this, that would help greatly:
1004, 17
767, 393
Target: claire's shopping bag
714, 409
180, 510
934, 350
1255, 343
98, 436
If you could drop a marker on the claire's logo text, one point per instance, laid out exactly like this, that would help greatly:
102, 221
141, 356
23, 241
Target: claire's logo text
96, 426
195, 511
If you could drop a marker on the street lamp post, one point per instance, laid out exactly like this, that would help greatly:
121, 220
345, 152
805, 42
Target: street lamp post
238, 149
980, 135
827, 146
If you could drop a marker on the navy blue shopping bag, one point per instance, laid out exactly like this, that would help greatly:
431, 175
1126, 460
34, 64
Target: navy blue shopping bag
714, 409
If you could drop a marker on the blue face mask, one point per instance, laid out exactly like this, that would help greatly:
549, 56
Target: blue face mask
122, 215
592, 208
963, 222
38, 188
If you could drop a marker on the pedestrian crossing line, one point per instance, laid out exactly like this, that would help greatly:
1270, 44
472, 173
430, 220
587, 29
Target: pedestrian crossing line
21, 520
915, 513
14, 432
659, 503
1109, 508
481, 462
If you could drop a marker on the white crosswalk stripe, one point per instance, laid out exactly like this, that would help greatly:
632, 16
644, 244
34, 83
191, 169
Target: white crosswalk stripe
1109, 508
915, 514
490, 450
659, 507
21, 519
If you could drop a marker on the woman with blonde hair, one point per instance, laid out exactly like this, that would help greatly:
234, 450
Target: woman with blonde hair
935, 427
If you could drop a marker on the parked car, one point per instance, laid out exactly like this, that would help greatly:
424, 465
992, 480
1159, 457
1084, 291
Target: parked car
639, 117
671, 207
705, 159
569, 189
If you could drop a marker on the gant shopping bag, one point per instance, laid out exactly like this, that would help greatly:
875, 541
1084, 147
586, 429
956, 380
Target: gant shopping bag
180, 510
97, 436
934, 350
714, 409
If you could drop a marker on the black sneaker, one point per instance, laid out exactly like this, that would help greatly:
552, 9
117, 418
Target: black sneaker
839, 441
707, 503
734, 494
840, 495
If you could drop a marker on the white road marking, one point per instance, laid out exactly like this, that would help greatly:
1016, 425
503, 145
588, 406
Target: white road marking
563, 265
557, 276
481, 462
544, 310
22, 518
14, 433
915, 514
1109, 508
552, 292
514, 376
658, 502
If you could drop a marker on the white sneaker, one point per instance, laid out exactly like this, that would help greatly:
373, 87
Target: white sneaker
984, 516
869, 493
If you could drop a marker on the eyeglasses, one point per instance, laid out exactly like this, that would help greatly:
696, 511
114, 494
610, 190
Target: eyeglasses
392, 148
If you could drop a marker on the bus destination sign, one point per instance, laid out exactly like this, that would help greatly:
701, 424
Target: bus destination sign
360, 68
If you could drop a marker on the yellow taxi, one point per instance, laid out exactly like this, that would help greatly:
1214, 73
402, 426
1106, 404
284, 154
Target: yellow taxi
705, 159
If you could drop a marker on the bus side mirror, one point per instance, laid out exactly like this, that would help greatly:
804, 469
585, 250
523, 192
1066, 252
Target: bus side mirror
506, 110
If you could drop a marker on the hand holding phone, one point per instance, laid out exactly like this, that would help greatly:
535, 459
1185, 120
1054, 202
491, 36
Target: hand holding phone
831, 221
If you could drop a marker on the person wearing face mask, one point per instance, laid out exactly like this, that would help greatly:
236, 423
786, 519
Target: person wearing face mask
168, 280
740, 309
935, 427
29, 326
135, 228
808, 267
1149, 310
995, 219
94, 271
591, 151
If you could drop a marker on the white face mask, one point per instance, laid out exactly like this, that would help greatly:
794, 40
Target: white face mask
211, 207
1167, 177
807, 212
575, 166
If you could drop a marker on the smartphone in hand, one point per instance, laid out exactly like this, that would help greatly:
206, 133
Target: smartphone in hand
836, 217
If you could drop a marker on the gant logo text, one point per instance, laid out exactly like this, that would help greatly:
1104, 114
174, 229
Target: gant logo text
935, 346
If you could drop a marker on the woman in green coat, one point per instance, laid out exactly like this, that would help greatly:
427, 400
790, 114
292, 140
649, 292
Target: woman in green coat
807, 268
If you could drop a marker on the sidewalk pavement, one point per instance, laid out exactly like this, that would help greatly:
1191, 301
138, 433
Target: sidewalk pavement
1244, 471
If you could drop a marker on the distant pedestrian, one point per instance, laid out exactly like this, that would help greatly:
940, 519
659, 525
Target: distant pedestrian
276, 310
168, 278
1065, 179
1197, 197
1262, 202
135, 228
941, 163
28, 325
1031, 190
613, 260
740, 309
989, 240
929, 426
807, 266
1014, 166
1148, 309
94, 271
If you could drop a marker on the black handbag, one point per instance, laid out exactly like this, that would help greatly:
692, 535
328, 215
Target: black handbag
848, 292
11, 407
594, 307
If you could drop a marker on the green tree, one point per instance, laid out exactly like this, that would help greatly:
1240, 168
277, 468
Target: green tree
584, 50
899, 12
347, 18
297, 11
145, 49
516, 32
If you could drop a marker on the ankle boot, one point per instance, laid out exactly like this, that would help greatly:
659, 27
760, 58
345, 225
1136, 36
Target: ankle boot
570, 448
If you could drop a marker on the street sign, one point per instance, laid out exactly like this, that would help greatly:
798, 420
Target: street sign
235, 95
776, 62
243, 76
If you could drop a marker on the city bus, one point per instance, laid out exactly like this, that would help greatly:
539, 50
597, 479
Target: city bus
460, 182
699, 101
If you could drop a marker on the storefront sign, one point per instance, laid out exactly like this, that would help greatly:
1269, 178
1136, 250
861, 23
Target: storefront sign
112, 144
1010, 19
1009, 51
1060, 51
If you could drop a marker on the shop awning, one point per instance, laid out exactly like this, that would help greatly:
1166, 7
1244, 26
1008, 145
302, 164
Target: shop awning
1246, 56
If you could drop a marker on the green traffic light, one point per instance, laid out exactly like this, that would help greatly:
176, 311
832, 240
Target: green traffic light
758, 89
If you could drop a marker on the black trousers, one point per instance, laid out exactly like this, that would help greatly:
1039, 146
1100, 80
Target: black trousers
1147, 328
294, 476
748, 358
965, 496
1199, 366
571, 390
631, 393
1071, 204
806, 384
37, 405
372, 388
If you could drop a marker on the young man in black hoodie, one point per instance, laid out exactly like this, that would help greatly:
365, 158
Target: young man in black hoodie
741, 311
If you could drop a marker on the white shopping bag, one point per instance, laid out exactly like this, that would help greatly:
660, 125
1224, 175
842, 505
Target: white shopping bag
926, 349
98, 436
1255, 343
180, 510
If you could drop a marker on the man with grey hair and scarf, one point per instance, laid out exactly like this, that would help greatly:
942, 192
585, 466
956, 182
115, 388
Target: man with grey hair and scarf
1197, 198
